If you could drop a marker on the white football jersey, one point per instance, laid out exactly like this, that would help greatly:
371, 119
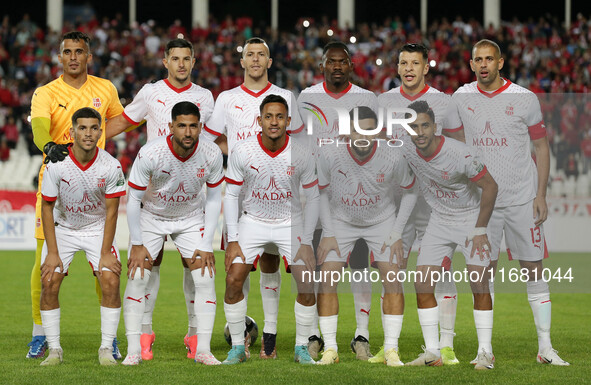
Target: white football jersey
361, 192
500, 125
397, 98
236, 112
318, 106
271, 180
173, 183
445, 179
80, 192
154, 103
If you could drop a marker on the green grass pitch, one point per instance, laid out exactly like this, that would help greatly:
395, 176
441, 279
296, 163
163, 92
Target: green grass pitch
514, 336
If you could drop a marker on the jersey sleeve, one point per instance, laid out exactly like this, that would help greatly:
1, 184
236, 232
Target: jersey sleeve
323, 169
116, 181
473, 166
216, 176
534, 120
308, 178
235, 172
115, 107
452, 121
141, 171
50, 184
216, 125
41, 103
137, 110
406, 176
206, 109
297, 125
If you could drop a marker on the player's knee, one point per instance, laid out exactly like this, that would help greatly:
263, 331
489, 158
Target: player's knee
306, 299
109, 284
50, 288
233, 287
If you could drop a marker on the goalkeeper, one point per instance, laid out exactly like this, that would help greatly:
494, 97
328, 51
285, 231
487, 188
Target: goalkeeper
52, 107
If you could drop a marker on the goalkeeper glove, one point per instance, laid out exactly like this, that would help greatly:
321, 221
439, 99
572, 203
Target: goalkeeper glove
55, 152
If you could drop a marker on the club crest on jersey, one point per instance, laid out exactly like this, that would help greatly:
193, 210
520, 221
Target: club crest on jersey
96, 102
101, 182
290, 170
380, 178
444, 175
200, 172
509, 110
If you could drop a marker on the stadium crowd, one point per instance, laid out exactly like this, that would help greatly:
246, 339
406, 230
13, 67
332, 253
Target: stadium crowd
539, 54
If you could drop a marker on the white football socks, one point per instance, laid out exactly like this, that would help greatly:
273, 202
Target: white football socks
304, 317
51, 327
133, 309
189, 291
109, 323
204, 308
538, 295
270, 289
235, 314
447, 301
429, 319
483, 319
392, 326
151, 294
362, 300
328, 327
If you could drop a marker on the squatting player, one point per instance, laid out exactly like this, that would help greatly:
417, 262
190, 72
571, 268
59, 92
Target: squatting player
236, 116
164, 199
500, 119
413, 66
318, 104
271, 167
52, 107
356, 183
450, 175
79, 212
154, 103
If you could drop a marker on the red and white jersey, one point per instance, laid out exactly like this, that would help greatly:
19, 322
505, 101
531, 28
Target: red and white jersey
445, 180
271, 180
318, 106
397, 98
500, 125
361, 191
236, 112
154, 103
173, 183
80, 192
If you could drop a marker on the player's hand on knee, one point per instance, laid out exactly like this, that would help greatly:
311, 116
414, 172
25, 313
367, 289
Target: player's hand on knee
55, 152
306, 254
109, 261
207, 260
232, 251
396, 249
52, 260
137, 257
326, 245
480, 243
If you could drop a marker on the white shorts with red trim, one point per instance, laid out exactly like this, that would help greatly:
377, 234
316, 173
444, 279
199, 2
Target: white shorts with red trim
375, 236
187, 234
525, 241
256, 238
69, 242
440, 243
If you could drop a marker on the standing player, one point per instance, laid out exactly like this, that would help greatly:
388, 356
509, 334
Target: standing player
413, 66
500, 119
356, 201
236, 116
271, 167
318, 107
52, 107
450, 174
166, 180
154, 103
79, 211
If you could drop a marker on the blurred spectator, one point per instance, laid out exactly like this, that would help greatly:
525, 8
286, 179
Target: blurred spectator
10, 132
571, 168
586, 152
4, 150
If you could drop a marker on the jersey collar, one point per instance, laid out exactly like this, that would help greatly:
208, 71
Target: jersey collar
437, 151
272, 154
256, 94
360, 162
334, 94
177, 90
498, 91
412, 98
169, 142
81, 167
